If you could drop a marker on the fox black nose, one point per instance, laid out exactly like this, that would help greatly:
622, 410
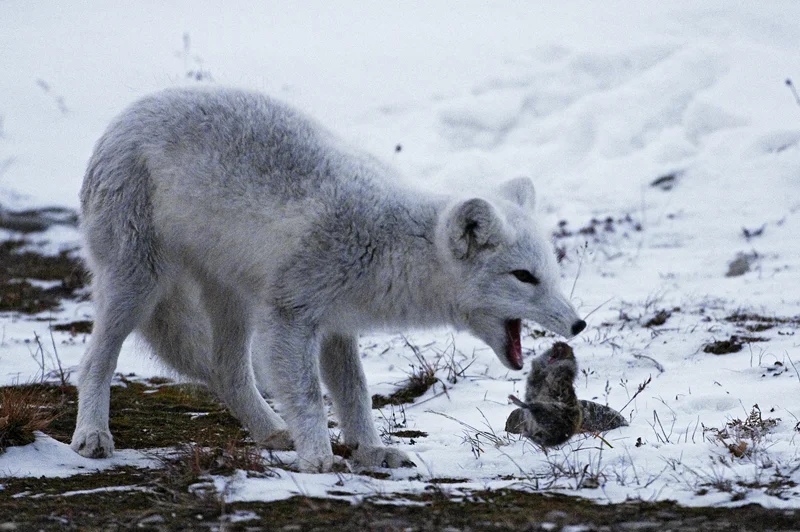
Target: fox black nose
578, 326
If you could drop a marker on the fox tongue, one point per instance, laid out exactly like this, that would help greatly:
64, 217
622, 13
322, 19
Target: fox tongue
513, 343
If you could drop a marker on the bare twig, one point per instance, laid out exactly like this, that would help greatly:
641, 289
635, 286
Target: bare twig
431, 398
599, 437
578, 273
598, 307
491, 436
528, 477
62, 375
639, 390
655, 362
39, 350
657, 419
793, 366
794, 90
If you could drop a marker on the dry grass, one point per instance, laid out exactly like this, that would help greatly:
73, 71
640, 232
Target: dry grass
421, 377
194, 461
21, 414
743, 437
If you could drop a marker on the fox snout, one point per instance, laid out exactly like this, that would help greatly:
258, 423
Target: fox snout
552, 312
566, 328
555, 313
577, 327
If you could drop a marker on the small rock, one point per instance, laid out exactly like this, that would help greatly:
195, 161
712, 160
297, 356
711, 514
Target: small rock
740, 265
723, 347
665, 182
659, 319
751, 233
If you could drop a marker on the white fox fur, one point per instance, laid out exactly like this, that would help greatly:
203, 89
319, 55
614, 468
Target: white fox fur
250, 247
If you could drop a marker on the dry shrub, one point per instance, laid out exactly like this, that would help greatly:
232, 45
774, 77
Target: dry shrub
21, 413
741, 437
194, 461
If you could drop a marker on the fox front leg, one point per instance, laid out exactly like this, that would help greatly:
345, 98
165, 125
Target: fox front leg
344, 377
292, 358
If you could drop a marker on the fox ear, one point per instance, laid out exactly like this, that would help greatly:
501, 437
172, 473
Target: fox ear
519, 190
473, 226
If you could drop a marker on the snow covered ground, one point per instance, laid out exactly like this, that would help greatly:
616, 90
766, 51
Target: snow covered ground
594, 101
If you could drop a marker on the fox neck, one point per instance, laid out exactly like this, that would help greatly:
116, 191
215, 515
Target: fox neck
418, 289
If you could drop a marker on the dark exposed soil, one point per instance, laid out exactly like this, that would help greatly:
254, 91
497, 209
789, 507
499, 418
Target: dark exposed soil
659, 319
144, 416
666, 182
406, 393
37, 220
178, 496
741, 264
74, 327
19, 264
598, 226
159, 413
157, 502
758, 327
754, 323
409, 434
732, 345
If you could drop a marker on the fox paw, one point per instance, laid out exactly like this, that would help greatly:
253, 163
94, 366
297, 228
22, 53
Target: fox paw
93, 443
379, 456
318, 464
280, 440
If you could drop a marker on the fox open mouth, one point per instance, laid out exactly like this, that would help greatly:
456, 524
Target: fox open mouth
514, 343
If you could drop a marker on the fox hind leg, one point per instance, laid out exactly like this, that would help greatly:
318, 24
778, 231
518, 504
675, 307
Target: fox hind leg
231, 374
121, 300
179, 331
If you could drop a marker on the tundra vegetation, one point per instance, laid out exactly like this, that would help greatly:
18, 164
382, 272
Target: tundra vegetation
198, 448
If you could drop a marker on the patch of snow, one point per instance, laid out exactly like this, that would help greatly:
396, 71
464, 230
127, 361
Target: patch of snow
102, 490
594, 102
47, 457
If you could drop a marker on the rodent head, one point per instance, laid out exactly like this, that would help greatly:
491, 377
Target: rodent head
561, 362
560, 352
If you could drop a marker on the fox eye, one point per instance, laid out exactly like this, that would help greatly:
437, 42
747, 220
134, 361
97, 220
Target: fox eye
524, 276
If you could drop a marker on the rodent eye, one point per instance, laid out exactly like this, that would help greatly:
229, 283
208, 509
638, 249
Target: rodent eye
524, 276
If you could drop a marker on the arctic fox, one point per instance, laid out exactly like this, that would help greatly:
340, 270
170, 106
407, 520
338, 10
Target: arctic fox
250, 247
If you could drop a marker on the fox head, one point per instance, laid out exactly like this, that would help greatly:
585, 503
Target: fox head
505, 270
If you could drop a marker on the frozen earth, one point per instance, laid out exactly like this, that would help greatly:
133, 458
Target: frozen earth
664, 143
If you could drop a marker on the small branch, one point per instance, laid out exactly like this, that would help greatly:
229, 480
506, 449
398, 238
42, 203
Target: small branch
794, 90
792, 363
639, 390
40, 349
599, 437
578, 273
443, 392
655, 362
61, 373
598, 307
